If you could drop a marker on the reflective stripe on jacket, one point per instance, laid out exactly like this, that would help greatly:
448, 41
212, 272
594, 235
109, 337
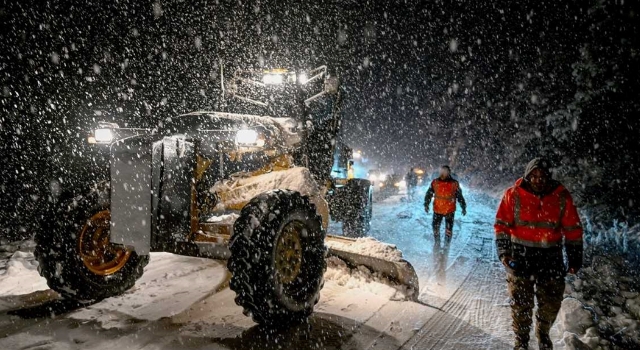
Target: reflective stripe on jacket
540, 222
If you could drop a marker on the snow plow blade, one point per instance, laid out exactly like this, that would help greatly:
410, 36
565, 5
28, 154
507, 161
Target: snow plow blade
379, 257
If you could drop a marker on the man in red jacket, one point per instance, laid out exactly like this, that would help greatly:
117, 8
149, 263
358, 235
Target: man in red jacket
446, 190
535, 221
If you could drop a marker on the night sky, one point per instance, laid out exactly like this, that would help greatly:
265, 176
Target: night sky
483, 85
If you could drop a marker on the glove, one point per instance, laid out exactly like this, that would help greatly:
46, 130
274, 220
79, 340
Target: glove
464, 211
426, 208
509, 263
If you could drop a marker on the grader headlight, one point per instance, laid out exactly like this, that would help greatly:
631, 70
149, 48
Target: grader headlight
103, 135
247, 137
273, 79
278, 76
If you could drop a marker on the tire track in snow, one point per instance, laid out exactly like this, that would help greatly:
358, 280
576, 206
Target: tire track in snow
471, 318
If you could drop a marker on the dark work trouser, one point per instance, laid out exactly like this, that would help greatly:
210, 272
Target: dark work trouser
437, 221
548, 292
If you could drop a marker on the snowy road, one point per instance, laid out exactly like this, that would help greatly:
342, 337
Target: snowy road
183, 302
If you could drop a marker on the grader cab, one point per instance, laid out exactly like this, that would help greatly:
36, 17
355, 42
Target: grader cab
252, 189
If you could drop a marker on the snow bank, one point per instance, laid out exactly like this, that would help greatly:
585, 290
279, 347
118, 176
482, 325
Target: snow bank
240, 189
607, 294
578, 326
20, 274
367, 246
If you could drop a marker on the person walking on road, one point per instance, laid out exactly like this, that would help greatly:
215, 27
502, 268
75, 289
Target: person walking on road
536, 219
412, 182
446, 190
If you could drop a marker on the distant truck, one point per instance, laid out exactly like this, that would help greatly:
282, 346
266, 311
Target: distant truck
384, 185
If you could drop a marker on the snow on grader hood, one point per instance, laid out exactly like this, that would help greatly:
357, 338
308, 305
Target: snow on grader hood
219, 185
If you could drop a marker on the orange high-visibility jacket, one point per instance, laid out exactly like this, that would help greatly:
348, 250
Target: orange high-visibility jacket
542, 222
445, 193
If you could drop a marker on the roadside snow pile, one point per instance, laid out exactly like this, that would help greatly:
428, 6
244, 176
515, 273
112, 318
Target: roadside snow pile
19, 269
605, 308
361, 277
367, 246
580, 331
239, 190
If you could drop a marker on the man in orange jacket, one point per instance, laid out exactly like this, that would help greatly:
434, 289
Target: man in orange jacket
536, 219
446, 191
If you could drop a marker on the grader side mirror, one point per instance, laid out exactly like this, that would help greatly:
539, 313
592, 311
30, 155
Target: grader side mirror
331, 85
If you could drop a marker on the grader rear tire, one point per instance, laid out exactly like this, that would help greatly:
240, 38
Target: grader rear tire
277, 258
76, 257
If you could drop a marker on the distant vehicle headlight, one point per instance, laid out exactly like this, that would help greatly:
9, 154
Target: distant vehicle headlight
272, 79
382, 177
103, 135
400, 184
247, 137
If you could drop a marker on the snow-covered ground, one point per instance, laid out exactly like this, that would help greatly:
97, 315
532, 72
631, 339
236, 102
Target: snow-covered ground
184, 303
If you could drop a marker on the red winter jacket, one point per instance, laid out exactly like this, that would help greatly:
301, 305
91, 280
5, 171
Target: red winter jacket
445, 192
538, 223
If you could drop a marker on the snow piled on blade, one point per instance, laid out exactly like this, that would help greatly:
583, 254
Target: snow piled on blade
369, 247
225, 219
361, 278
355, 275
240, 189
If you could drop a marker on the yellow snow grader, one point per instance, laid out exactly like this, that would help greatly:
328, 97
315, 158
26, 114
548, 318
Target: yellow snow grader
252, 189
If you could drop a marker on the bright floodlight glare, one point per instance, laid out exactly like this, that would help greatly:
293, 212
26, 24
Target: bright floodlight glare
382, 177
103, 135
372, 177
356, 155
302, 78
272, 79
247, 137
